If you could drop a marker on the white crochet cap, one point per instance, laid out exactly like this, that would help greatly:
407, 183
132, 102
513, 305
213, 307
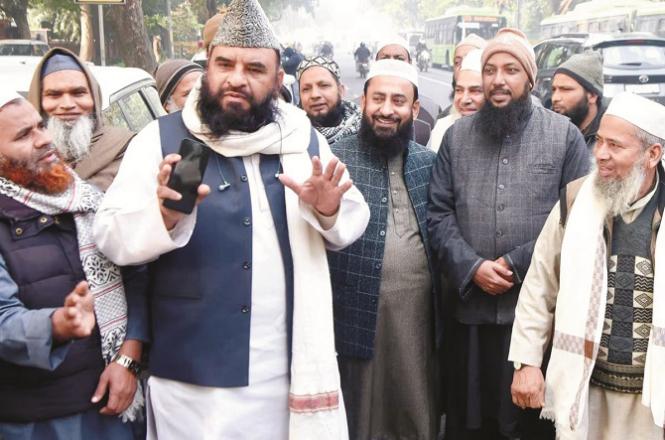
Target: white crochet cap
472, 61
393, 40
396, 68
7, 96
639, 111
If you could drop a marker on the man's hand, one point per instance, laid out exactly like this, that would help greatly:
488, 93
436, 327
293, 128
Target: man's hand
171, 217
322, 190
119, 381
76, 319
493, 278
528, 388
121, 385
508, 276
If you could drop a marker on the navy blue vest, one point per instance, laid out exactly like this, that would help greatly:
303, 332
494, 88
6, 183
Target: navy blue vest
200, 294
42, 258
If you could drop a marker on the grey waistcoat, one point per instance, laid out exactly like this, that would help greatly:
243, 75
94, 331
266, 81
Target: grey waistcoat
490, 199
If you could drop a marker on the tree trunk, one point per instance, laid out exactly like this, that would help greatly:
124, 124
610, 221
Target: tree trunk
131, 35
18, 10
87, 52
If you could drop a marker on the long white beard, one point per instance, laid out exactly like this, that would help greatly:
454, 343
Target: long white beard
619, 194
72, 139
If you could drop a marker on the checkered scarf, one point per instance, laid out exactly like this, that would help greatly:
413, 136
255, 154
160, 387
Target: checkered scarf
103, 277
578, 327
350, 124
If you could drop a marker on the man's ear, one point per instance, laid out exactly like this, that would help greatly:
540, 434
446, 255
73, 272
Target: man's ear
592, 98
362, 104
342, 90
654, 155
416, 108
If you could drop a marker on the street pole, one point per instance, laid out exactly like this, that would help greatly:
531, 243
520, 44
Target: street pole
170, 24
517, 15
102, 44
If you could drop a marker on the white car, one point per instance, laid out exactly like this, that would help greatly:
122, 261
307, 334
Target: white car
23, 48
129, 95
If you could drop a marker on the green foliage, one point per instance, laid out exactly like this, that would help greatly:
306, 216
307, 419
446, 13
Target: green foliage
63, 18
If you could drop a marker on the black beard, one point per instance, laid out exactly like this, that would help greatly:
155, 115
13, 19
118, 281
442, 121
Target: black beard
331, 119
579, 112
388, 146
498, 122
221, 122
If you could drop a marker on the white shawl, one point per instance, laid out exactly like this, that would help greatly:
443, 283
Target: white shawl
579, 316
315, 399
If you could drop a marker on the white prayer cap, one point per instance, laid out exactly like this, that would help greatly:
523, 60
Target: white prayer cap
639, 111
472, 40
393, 40
396, 68
7, 96
472, 61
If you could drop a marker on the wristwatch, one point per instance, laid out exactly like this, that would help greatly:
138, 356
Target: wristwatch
133, 366
518, 366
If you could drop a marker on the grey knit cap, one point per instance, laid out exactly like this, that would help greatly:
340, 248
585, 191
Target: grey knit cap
587, 69
246, 25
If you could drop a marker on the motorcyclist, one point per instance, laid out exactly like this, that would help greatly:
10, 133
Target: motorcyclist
362, 53
326, 50
421, 46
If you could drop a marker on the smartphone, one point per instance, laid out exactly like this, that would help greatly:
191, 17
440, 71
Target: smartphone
187, 175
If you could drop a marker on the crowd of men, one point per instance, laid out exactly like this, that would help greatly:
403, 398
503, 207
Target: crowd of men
344, 274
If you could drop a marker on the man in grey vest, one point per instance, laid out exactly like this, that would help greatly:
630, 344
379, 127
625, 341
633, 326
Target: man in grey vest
383, 284
595, 290
497, 175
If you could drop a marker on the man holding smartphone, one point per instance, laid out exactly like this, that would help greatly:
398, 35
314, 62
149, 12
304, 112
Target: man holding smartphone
242, 326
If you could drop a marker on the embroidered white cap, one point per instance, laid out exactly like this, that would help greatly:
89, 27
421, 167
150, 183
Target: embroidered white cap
396, 68
472, 61
7, 96
639, 111
393, 40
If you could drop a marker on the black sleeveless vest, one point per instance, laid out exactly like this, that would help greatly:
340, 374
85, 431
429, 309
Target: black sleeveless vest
42, 257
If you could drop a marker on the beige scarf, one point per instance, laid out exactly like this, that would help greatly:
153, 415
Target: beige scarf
580, 309
315, 402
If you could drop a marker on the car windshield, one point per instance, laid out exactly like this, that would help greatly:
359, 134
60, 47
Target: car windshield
634, 55
23, 49
553, 56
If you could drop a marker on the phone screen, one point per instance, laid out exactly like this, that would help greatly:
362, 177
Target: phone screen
187, 175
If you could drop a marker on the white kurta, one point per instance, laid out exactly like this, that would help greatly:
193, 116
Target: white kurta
179, 410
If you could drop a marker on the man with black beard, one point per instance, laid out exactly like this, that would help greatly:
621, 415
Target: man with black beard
497, 175
321, 97
242, 320
383, 284
577, 92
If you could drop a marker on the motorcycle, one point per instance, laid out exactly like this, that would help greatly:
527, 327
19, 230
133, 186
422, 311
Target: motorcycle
423, 60
362, 67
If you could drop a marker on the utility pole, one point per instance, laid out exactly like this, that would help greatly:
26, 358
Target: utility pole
102, 43
517, 14
170, 24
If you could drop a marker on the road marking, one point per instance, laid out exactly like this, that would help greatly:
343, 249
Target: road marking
436, 81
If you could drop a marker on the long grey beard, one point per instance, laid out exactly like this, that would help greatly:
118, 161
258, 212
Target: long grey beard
619, 194
72, 139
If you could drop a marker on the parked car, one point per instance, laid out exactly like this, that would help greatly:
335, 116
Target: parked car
632, 62
23, 48
129, 95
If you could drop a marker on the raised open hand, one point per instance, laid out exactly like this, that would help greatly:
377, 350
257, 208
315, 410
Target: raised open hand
322, 190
